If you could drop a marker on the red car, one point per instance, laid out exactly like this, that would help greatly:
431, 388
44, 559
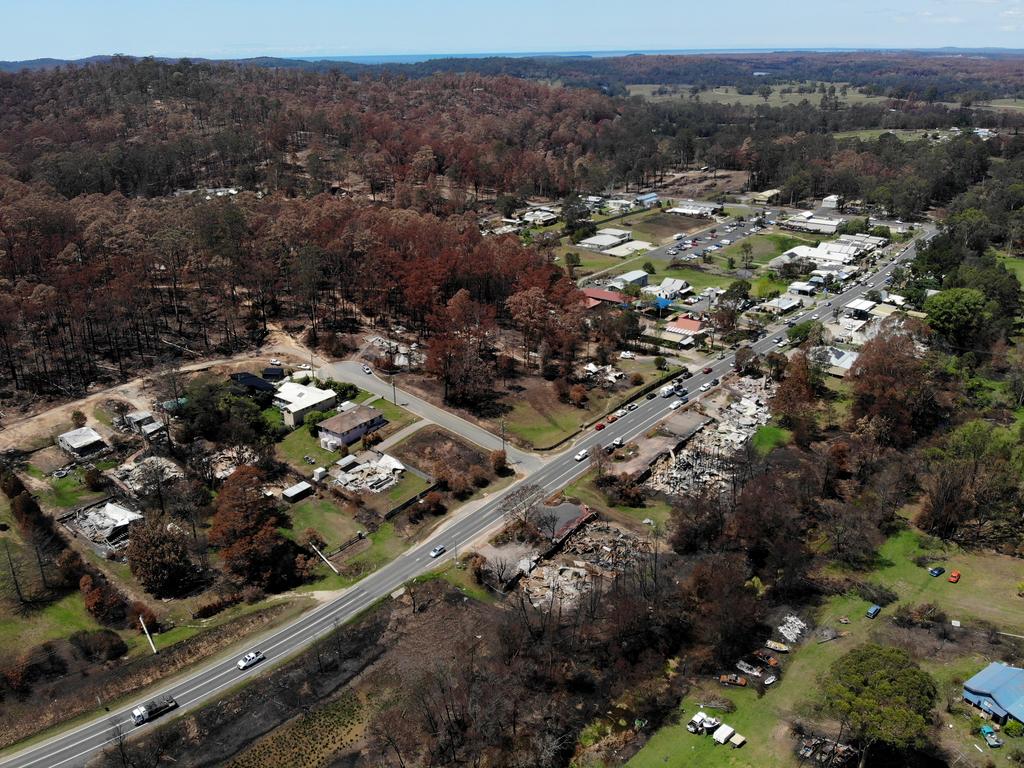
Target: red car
599, 426
954, 577
612, 419
708, 369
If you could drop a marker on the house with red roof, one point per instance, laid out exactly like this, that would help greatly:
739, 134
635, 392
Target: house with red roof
595, 297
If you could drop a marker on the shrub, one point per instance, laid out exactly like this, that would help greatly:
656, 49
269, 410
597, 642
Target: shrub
214, 607
499, 462
93, 479
11, 484
100, 645
660, 363
480, 476
78, 419
876, 593
1014, 729
636, 379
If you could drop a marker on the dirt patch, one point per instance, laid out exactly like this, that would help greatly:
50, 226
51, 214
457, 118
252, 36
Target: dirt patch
437, 452
667, 224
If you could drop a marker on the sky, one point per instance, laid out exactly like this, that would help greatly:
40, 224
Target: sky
303, 28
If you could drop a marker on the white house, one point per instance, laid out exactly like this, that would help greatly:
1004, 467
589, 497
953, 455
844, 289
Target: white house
696, 208
634, 277
606, 238
295, 400
832, 201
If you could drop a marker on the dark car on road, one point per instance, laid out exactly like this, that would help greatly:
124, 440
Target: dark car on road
707, 369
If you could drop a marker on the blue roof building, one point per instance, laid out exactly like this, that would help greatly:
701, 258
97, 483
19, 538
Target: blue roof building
998, 690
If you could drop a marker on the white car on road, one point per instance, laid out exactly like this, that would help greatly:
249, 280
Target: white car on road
437, 551
250, 659
675, 404
367, 371
705, 386
581, 455
620, 413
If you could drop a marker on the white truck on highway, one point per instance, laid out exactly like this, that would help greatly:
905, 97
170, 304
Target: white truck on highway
153, 709
667, 391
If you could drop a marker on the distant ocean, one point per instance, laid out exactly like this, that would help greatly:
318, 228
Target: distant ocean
413, 58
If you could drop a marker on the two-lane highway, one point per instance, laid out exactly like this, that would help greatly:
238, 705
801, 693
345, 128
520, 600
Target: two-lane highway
74, 747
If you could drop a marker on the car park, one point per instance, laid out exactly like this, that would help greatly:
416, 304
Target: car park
437, 551
250, 659
581, 455
936, 571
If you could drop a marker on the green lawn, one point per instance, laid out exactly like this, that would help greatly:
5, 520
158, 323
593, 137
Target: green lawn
764, 286
585, 490
590, 261
872, 134
69, 491
543, 429
273, 417
727, 94
332, 522
397, 416
765, 247
410, 485
1014, 264
385, 546
300, 443
53, 620
461, 578
769, 437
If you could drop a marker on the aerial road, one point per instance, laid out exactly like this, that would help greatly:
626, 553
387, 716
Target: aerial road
201, 685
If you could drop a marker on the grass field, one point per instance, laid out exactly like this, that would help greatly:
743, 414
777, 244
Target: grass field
590, 261
765, 247
50, 621
396, 415
543, 427
300, 443
69, 491
769, 437
987, 592
764, 286
330, 520
410, 485
385, 546
1015, 264
728, 95
585, 490
872, 134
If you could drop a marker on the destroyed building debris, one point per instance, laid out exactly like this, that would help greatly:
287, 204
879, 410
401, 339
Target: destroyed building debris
367, 471
139, 476
105, 523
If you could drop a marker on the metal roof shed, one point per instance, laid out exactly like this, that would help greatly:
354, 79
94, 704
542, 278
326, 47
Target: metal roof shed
298, 491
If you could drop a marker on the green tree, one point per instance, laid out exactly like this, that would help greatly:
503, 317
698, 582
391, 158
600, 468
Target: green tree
312, 419
649, 268
881, 696
958, 315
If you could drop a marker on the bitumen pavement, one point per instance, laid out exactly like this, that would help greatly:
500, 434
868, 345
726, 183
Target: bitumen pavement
75, 746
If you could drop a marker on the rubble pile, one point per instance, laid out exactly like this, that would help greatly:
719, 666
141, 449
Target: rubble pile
138, 476
373, 472
224, 462
791, 628
550, 583
705, 460
607, 547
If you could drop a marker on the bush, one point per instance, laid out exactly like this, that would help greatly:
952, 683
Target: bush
78, 419
100, 645
876, 593
660, 363
636, 379
214, 607
93, 479
1014, 729
499, 462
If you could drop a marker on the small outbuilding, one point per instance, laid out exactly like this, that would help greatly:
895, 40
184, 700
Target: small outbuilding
297, 492
80, 442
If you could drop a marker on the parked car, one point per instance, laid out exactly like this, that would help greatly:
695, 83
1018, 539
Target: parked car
275, 361
938, 570
954, 577
250, 659
766, 657
612, 419
367, 370
305, 366
715, 382
437, 551
621, 412
770, 680
707, 369
873, 611
581, 455
686, 374
730, 679
618, 442
632, 407
651, 395
705, 386
599, 426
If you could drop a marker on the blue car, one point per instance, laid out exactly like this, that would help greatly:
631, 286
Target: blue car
873, 611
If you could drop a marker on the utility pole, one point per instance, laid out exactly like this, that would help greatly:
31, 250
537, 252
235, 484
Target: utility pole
503, 435
394, 390
148, 636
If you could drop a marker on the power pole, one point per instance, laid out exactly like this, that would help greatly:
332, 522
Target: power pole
394, 390
148, 636
503, 435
